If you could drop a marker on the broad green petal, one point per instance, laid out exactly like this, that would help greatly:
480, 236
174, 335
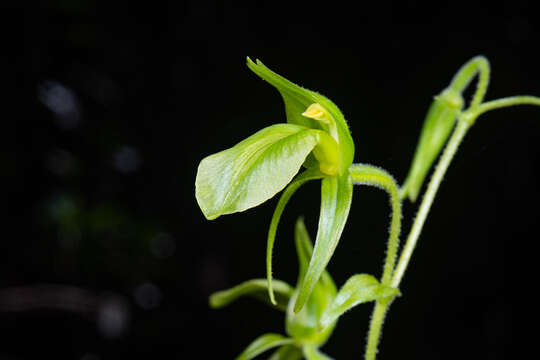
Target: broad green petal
310, 174
298, 99
287, 352
312, 353
257, 288
358, 289
253, 170
336, 197
263, 343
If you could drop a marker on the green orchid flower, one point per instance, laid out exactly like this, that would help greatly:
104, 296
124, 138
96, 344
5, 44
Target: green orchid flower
310, 328
315, 137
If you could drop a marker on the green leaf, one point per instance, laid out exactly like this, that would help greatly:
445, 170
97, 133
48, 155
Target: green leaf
312, 353
253, 170
438, 124
298, 99
287, 352
310, 174
257, 288
263, 343
336, 197
358, 289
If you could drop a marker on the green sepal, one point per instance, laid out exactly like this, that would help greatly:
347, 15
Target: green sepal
312, 353
287, 352
438, 124
358, 289
303, 326
257, 288
310, 174
263, 343
255, 169
297, 99
336, 197
304, 250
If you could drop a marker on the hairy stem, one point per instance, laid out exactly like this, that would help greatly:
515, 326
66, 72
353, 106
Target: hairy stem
381, 307
447, 156
477, 65
363, 174
369, 175
502, 103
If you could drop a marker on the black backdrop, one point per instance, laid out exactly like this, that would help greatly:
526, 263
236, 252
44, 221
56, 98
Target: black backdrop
112, 105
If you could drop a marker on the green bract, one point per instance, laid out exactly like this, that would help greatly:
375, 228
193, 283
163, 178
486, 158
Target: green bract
310, 328
254, 170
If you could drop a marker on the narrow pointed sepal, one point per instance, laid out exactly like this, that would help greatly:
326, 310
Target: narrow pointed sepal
298, 99
304, 250
263, 343
358, 289
336, 197
310, 174
257, 288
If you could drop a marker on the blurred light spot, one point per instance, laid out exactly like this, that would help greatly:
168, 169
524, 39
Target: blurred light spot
62, 101
163, 246
147, 296
113, 318
60, 162
127, 160
62, 209
89, 356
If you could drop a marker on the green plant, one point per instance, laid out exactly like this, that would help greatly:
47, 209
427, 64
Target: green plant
316, 137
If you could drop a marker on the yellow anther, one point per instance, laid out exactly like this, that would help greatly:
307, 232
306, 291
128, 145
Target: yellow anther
317, 112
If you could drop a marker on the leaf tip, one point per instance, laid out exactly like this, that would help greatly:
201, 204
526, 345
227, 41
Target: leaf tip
272, 296
214, 301
300, 302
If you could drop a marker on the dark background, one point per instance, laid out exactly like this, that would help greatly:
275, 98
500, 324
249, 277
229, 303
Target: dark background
111, 106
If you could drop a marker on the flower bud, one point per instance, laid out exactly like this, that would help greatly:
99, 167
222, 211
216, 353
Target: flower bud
437, 126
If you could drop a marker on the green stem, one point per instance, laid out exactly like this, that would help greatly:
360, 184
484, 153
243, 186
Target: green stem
369, 175
375, 327
477, 65
447, 156
473, 113
381, 307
